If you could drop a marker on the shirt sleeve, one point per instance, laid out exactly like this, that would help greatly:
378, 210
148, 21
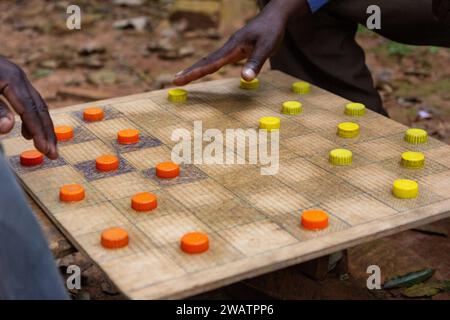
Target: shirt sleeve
316, 4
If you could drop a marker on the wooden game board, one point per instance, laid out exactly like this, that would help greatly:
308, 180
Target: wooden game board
252, 220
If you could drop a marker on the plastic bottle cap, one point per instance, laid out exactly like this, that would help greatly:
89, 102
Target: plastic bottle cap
167, 170
355, 109
269, 123
348, 130
301, 87
249, 85
416, 136
93, 114
405, 189
107, 163
128, 136
71, 193
144, 201
314, 219
31, 158
177, 95
291, 107
63, 133
413, 159
341, 157
114, 238
194, 242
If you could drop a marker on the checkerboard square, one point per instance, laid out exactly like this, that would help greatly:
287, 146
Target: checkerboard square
169, 228
200, 193
358, 209
124, 185
251, 239
81, 152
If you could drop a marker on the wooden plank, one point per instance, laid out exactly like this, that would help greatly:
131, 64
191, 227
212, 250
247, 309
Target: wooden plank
252, 219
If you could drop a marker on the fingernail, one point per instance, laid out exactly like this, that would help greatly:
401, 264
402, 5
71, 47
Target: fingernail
248, 74
179, 73
5, 125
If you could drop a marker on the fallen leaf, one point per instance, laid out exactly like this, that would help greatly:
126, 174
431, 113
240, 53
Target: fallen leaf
128, 3
427, 289
103, 77
42, 73
91, 48
408, 279
138, 24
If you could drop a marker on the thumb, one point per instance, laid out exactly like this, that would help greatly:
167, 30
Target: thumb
255, 62
6, 118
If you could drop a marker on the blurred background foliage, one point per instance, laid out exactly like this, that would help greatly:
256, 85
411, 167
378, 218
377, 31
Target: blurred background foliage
129, 46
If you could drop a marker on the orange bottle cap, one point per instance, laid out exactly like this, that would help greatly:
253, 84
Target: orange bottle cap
314, 219
194, 242
71, 192
107, 163
64, 133
114, 238
31, 158
167, 170
144, 201
128, 136
93, 114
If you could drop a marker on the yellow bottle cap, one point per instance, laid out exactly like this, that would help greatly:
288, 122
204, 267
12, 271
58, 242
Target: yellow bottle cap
341, 157
355, 109
405, 189
348, 130
301, 87
177, 95
413, 159
249, 85
269, 123
291, 107
416, 136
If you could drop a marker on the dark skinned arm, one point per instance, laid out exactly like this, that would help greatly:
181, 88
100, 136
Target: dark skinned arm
441, 10
16, 89
256, 42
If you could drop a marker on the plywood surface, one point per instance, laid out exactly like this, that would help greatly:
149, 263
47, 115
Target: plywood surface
252, 220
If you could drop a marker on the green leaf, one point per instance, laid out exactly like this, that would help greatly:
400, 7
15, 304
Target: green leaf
408, 279
433, 50
42, 73
399, 49
427, 289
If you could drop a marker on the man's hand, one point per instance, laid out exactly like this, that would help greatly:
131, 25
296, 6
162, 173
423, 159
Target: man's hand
29, 105
441, 10
257, 41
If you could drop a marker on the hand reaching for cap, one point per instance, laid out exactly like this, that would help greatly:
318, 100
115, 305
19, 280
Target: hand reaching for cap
256, 42
17, 90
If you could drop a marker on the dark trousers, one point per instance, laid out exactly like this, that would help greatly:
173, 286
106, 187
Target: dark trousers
27, 267
322, 48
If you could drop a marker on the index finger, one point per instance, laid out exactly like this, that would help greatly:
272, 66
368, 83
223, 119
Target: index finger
231, 52
46, 121
21, 100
